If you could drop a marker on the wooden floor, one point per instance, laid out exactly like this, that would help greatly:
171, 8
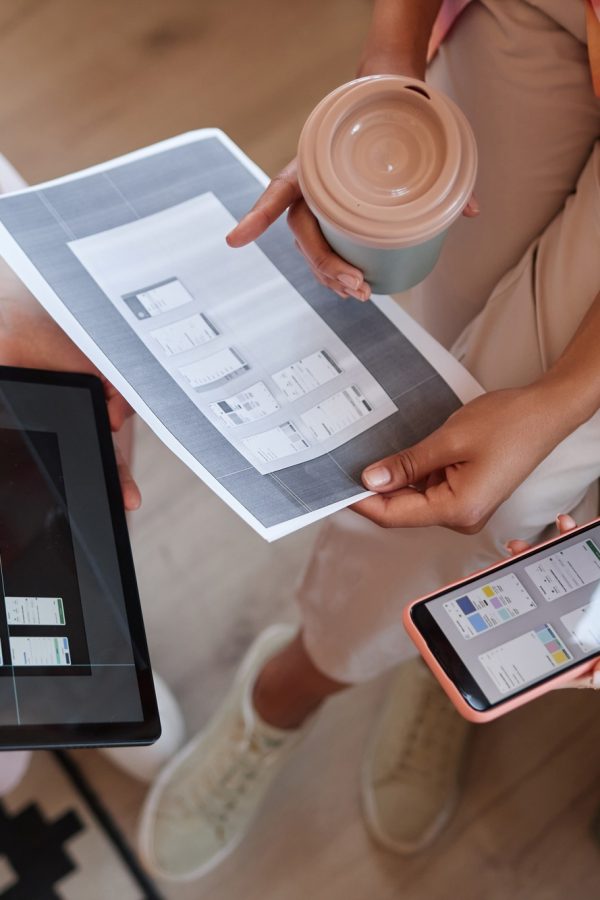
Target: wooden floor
82, 80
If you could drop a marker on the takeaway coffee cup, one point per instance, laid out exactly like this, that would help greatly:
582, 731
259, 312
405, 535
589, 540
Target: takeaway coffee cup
387, 164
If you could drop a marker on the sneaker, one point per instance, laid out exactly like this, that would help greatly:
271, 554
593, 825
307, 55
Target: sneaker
144, 763
206, 799
410, 777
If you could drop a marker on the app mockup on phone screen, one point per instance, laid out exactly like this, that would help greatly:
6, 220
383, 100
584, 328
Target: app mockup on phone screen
521, 624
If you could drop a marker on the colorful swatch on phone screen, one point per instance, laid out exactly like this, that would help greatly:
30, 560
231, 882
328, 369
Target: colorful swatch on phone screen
489, 606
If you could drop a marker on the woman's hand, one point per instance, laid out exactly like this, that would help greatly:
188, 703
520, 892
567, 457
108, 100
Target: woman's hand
396, 44
565, 524
328, 268
460, 474
30, 338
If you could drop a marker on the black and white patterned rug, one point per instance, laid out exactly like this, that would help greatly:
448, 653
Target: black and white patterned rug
58, 841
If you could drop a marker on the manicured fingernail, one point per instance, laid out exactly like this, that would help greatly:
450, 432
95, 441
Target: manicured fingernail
378, 477
473, 205
350, 281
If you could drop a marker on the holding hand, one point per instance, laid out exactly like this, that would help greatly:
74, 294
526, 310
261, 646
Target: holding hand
30, 338
460, 474
328, 268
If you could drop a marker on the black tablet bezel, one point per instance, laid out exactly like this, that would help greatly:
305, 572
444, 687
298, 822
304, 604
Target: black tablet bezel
102, 734
449, 659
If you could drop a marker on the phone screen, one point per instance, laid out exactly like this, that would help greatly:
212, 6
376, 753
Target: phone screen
499, 634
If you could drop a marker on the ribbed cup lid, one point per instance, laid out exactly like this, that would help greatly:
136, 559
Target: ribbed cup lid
387, 160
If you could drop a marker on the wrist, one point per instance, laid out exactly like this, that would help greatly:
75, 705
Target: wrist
390, 61
565, 403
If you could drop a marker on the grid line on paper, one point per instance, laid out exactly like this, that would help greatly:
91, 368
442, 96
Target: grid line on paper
53, 212
292, 493
116, 188
341, 468
239, 472
414, 387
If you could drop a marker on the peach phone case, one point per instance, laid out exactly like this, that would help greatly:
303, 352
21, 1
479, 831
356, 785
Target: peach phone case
448, 685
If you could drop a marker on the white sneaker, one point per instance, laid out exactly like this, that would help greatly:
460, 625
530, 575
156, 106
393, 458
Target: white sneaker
144, 763
206, 799
410, 777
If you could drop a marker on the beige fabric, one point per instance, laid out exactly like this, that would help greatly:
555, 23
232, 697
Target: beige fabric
523, 80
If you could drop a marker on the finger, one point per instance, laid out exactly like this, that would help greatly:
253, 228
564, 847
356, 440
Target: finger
328, 282
362, 294
410, 508
281, 193
516, 546
132, 498
119, 411
331, 283
412, 465
565, 523
407, 508
118, 408
319, 254
472, 208
589, 680
583, 682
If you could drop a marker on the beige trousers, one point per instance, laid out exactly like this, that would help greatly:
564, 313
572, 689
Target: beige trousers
508, 293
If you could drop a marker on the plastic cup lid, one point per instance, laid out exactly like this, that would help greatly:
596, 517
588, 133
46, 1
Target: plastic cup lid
387, 161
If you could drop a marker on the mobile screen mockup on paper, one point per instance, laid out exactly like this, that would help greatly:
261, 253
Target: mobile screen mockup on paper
518, 625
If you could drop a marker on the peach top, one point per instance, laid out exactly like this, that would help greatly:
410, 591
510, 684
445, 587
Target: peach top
451, 9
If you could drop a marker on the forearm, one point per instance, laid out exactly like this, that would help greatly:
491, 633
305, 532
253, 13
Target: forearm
571, 387
398, 37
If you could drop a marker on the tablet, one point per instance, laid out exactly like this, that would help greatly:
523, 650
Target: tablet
74, 665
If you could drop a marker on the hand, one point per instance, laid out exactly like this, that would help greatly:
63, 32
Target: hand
591, 679
34, 340
328, 268
460, 474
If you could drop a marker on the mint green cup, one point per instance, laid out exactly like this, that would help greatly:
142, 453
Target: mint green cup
387, 164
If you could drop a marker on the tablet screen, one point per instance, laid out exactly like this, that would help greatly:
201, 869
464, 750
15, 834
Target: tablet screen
73, 655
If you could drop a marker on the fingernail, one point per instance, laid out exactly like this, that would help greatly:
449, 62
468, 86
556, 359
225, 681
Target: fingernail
474, 205
596, 679
378, 477
566, 520
351, 281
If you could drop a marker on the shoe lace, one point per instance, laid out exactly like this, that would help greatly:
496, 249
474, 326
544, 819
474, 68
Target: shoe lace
215, 791
422, 751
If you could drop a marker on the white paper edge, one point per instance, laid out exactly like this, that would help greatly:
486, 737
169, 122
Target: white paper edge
461, 382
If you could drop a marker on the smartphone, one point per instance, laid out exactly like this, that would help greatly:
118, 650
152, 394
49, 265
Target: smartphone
508, 634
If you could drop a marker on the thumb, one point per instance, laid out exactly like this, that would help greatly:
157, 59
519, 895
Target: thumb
410, 466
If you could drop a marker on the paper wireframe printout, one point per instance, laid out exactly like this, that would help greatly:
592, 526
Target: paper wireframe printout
254, 358
271, 389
